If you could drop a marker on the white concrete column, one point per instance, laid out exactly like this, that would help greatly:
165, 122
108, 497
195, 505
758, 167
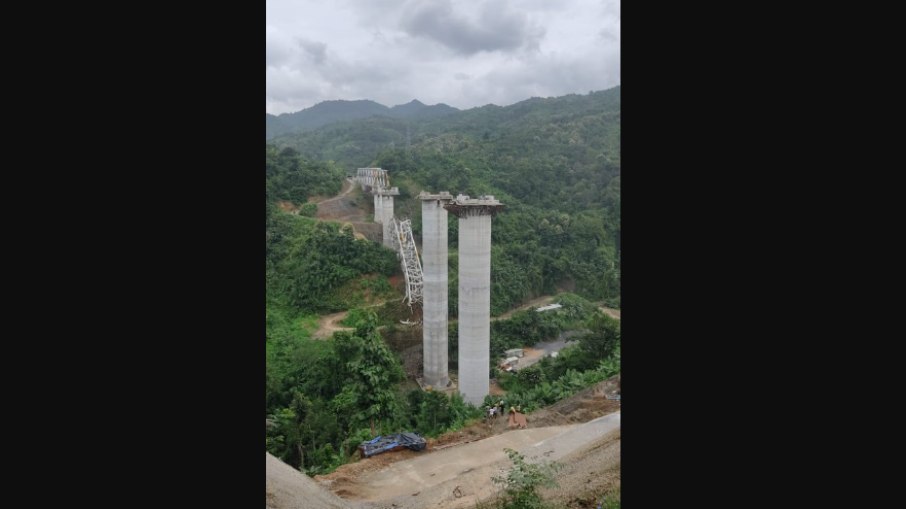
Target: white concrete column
435, 289
378, 208
474, 306
474, 293
387, 219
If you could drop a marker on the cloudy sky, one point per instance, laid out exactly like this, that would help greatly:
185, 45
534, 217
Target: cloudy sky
464, 53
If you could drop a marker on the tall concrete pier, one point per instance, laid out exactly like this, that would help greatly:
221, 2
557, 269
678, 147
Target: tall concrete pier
383, 201
378, 208
434, 270
474, 293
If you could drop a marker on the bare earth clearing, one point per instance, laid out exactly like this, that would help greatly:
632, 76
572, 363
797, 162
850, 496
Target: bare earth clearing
344, 209
328, 324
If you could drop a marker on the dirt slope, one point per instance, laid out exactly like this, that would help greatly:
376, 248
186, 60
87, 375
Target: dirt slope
456, 469
328, 324
460, 477
587, 474
345, 208
287, 488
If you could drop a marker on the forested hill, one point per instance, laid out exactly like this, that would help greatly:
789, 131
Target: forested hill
561, 153
330, 112
572, 127
554, 162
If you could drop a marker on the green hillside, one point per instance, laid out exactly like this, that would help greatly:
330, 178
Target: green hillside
331, 112
554, 163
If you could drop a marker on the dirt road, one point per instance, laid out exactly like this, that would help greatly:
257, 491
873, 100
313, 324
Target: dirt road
533, 354
468, 458
328, 324
344, 208
346, 188
430, 470
461, 476
341, 207
580, 432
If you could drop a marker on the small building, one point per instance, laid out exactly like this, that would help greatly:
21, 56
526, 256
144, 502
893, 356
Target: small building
515, 352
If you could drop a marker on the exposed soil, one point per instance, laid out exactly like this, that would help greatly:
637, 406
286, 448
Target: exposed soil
581, 433
347, 188
472, 448
494, 389
342, 207
328, 324
287, 206
587, 475
530, 356
349, 207
613, 313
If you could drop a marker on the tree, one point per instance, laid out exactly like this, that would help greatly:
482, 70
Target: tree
285, 438
431, 412
371, 371
603, 337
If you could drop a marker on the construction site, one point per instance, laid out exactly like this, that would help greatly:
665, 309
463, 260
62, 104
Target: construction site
581, 432
426, 277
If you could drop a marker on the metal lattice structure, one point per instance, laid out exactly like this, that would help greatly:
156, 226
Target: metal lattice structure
397, 234
372, 178
404, 243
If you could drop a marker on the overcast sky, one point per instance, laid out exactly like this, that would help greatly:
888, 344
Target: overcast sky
464, 53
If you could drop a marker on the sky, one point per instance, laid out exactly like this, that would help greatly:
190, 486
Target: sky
464, 53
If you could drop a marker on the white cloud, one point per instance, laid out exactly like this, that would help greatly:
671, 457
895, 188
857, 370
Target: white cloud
460, 52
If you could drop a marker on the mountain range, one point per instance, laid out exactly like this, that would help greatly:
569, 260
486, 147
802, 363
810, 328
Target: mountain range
573, 129
329, 112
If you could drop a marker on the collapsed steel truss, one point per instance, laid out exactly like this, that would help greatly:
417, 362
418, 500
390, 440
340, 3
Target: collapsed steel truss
404, 243
376, 181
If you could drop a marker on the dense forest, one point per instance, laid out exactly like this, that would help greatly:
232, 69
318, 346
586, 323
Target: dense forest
554, 163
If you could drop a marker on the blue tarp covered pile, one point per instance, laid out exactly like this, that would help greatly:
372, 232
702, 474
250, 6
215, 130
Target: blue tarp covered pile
393, 442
